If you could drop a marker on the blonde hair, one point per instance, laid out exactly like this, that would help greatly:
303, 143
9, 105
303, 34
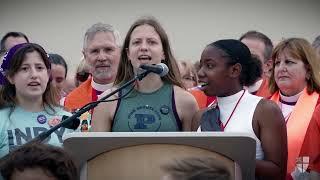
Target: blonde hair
83, 66
298, 48
189, 69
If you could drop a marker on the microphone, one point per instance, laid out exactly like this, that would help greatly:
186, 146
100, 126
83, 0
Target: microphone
161, 69
72, 124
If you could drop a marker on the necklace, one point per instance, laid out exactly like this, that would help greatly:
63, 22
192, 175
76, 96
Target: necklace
222, 127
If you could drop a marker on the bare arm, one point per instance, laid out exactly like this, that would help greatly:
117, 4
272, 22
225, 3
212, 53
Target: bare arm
273, 136
196, 120
103, 115
100, 120
186, 106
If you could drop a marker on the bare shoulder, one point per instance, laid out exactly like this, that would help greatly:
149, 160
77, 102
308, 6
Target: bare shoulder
199, 113
108, 91
111, 103
268, 111
196, 120
267, 105
186, 106
103, 114
185, 101
183, 95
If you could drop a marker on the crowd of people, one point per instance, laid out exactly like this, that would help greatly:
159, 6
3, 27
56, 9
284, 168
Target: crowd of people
246, 85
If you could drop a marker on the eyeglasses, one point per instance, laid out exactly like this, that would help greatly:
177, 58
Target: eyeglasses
82, 76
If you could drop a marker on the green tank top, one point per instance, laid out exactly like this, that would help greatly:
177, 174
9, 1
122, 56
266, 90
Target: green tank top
147, 112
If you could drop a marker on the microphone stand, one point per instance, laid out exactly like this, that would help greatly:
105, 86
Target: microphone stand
42, 136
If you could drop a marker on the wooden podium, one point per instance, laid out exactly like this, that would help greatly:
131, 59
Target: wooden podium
130, 156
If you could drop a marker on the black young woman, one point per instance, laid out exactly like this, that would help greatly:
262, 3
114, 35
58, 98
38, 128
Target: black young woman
226, 67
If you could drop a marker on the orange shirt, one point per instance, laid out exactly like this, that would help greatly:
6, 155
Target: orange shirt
79, 96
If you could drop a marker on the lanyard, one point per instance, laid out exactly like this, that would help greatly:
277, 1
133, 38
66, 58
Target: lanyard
234, 109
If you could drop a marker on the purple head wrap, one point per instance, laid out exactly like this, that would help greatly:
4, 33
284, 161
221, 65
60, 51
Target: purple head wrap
6, 62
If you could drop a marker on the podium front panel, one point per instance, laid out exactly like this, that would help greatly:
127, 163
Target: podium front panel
143, 162
97, 145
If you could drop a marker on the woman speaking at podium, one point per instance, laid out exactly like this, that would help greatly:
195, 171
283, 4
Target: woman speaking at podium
155, 103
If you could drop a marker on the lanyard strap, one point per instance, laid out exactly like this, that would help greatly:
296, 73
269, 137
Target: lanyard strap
234, 109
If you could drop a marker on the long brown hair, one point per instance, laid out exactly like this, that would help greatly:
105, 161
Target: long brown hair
125, 69
8, 90
300, 49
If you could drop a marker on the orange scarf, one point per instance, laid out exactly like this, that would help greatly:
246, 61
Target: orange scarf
297, 124
79, 96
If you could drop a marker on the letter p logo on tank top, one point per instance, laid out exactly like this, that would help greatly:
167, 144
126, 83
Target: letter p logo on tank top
145, 119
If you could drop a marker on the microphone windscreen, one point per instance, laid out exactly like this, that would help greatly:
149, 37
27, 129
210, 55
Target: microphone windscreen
74, 124
165, 69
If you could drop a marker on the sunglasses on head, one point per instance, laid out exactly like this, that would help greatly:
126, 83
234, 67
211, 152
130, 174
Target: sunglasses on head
82, 76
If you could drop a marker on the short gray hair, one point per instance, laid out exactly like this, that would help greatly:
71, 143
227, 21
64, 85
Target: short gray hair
100, 27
